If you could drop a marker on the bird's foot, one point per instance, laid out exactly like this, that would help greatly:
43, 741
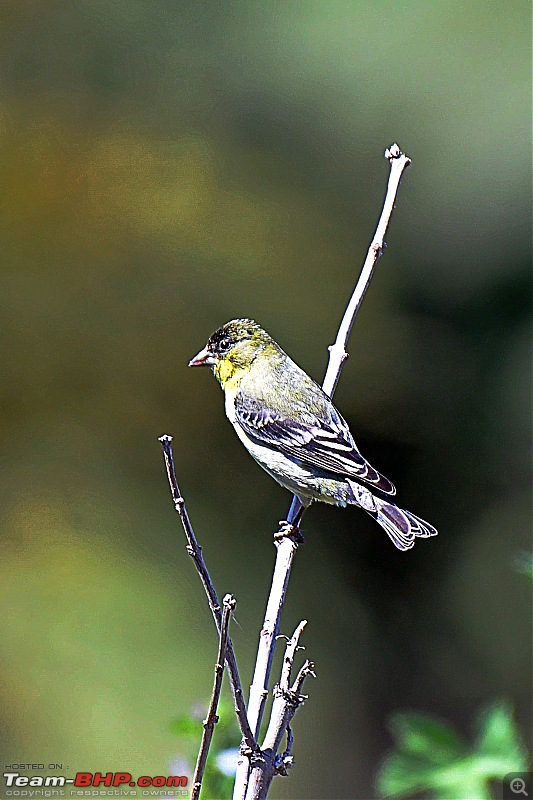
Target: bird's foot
287, 530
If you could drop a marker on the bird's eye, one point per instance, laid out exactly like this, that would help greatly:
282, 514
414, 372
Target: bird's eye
224, 344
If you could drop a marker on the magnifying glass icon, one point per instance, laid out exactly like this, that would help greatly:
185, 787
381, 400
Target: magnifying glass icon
518, 786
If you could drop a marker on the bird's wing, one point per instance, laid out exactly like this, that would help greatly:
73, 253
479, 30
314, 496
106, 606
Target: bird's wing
319, 440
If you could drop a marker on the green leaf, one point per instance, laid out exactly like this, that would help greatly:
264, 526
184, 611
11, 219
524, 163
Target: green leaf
422, 735
431, 758
499, 742
402, 775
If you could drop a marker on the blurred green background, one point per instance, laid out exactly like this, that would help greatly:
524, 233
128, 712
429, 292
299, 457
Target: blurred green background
166, 166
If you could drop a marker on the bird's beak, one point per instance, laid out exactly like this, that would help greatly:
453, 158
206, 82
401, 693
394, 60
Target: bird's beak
202, 359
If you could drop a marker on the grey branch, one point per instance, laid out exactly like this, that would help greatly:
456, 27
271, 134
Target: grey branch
195, 551
286, 548
211, 719
337, 351
287, 699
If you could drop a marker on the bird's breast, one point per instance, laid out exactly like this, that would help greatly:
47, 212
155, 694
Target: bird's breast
229, 400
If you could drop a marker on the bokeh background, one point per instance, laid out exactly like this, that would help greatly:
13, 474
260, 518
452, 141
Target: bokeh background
166, 166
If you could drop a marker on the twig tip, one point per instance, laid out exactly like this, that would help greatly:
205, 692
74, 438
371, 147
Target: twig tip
229, 601
393, 151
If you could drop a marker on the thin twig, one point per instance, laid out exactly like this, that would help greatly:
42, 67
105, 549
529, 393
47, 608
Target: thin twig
286, 548
287, 699
286, 758
211, 719
195, 551
288, 659
337, 351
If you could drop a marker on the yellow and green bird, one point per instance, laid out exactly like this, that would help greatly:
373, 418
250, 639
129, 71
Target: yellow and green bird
293, 430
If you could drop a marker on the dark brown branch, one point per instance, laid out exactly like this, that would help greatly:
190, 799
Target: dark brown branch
195, 551
212, 718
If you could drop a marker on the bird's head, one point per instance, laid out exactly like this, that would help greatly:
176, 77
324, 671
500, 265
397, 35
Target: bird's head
231, 350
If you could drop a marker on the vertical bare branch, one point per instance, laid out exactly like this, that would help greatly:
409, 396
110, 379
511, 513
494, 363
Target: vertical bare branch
287, 700
286, 548
212, 718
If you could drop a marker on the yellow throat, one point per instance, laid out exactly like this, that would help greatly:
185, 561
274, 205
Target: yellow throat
229, 374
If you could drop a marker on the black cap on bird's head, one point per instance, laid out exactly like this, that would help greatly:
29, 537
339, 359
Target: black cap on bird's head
238, 340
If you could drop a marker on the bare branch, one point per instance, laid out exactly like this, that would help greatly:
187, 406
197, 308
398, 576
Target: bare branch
287, 547
284, 763
212, 718
287, 699
286, 550
337, 351
195, 551
288, 660
307, 668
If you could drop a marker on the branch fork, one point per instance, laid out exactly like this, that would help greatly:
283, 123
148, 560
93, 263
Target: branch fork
287, 699
195, 551
258, 766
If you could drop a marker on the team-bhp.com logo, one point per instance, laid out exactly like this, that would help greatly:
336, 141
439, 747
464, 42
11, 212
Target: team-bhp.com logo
18, 785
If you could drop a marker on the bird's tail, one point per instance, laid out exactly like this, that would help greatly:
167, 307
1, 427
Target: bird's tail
402, 526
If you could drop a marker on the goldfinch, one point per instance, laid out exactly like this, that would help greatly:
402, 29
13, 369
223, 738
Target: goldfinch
293, 430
